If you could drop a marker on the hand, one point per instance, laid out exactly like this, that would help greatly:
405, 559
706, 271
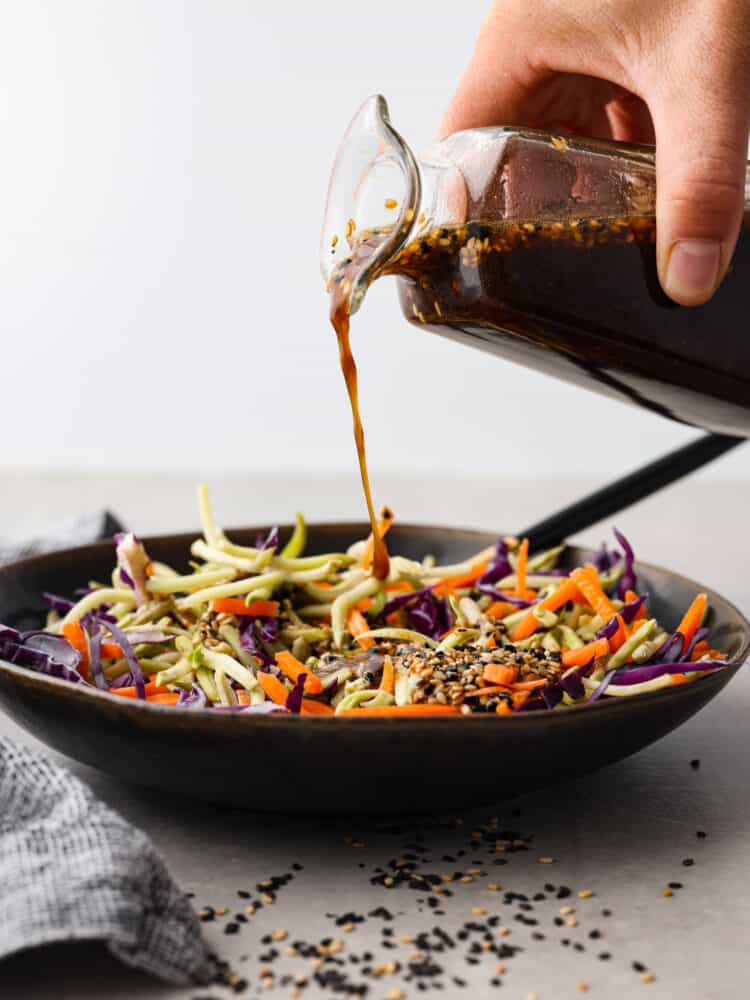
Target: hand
673, 72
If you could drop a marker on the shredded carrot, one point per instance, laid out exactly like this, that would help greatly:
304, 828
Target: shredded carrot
497, 673
292, 668
384, 526
243, 697
111, 651
630, 596
394, 618
388, 680
149, 569
357, 624
384, 711
700, 649
567, 591
237, 606
491, 643
324, 584
273, 687
130, 692
587, 579
401, 587
692, 618
75, 633
310, 707
485, 691
448, 584
679, 679
519, 697
364, 605
529, 685
577, 657
170, 698
523, 558
503, 708
499, 609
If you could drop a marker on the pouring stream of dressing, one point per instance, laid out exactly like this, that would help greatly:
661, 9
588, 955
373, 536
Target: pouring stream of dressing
340, 288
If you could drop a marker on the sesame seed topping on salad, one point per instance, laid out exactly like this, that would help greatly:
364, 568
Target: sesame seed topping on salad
269, 629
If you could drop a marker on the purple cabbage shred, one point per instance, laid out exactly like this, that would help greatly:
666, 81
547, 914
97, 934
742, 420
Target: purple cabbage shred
627, 581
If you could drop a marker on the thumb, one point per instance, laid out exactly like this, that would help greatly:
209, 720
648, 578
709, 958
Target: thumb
701, 161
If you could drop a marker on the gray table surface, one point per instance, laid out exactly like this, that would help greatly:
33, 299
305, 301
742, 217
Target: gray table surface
622, 833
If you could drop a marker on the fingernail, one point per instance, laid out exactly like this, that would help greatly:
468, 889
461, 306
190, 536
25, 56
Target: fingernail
692, 270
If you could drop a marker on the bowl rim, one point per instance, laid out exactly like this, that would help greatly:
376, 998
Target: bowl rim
125, 706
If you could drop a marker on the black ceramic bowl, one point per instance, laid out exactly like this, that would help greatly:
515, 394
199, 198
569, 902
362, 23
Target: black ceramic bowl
323, 765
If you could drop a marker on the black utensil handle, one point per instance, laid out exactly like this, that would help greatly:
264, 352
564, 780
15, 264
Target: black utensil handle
628, 490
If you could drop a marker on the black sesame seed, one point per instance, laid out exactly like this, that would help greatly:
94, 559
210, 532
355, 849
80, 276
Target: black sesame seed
701, 834
231, 928
675, 885
639, 967
688, 862
605, 956
695, 764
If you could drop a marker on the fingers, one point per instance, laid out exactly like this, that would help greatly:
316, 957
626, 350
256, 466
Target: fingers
701, 155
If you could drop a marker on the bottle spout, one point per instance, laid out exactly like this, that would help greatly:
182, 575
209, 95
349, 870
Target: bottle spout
373, 196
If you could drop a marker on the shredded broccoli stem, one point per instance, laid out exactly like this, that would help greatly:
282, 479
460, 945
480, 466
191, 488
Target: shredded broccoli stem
310, 633
107, 595
342, 605
212, 534
231, 635
205, 679
400, 635
545, 560
365, 699
298, 540
458, 637
309, 575
162, 569
181, 670
622, 655
568, 637
459, 569
327, 595
218, 556
625, 690
224, 689
546, 618
183, 584
609, 579
310, 562
314, 611
244, 586
221, 662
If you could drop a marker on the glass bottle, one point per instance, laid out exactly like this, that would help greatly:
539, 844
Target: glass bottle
541, 249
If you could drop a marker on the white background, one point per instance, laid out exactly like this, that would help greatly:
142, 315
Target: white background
163, 166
